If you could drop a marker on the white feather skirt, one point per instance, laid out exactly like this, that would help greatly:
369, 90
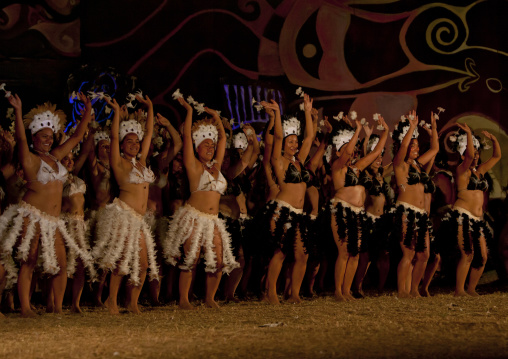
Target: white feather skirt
78, 229
119, 230
190, 224
11, 227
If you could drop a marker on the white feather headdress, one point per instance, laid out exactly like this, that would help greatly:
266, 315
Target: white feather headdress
342, 137
100, 136
291, 126
204, 132
461, 140
131, 126
240, 141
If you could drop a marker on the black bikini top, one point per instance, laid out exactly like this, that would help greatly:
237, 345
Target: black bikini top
373, 186
351, 178
477, 183
315, 181
414, 177
294, 176
428, 185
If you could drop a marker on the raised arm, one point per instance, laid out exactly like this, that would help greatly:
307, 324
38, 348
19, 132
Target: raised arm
496, 154
177, 144
251, 137
189, 160
267, 153
350, 147
114, 155
86, 148
21, 141
317, 158
221, 142
469, 152
400, 156
368, 132
147, 139
364, 162
62, 150
434, 143
309, 130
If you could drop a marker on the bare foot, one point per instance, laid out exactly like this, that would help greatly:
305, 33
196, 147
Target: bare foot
2, 316
186, 306
339, 297
50, 309
460, 294
403, 295
349, 297
58, 311
424, 292
211, 304
294, 300
112, 307
415, 294
472, 293
232, 299
28, 314
273, 299
76, 309
99, 304
133, 308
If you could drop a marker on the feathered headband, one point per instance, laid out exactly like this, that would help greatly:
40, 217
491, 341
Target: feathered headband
291, 126
240, 141
44, 116
100, 136
402, 129
460, 141
203, 132
373, 141
342, 137
131, 126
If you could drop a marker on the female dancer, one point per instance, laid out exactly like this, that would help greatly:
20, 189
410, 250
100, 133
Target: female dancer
157, 194
124, 242
379, 196
196, 227
347, 205
288, 232
96, 148
73, 213
246, 147
36, 217
410, 214
467, 213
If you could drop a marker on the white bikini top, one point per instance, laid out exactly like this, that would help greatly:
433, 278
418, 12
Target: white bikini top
208, 183
47, 174
137, 176
74, 185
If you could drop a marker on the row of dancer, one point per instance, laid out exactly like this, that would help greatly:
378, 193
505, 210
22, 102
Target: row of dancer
341, 186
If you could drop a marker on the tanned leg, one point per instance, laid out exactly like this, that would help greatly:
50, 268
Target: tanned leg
78, 282
299, 268
476, 273
213, 279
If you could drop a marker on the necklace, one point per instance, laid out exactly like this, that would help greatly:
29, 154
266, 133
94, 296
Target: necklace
292, 159
47, 154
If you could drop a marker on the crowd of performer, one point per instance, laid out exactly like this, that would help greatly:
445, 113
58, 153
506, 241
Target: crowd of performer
101, 206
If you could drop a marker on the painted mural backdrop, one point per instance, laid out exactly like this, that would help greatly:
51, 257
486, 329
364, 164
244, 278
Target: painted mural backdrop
369, 56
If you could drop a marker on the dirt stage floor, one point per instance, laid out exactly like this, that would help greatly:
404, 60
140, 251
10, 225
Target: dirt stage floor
439, 327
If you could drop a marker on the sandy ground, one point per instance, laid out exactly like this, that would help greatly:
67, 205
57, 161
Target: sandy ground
441, 327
